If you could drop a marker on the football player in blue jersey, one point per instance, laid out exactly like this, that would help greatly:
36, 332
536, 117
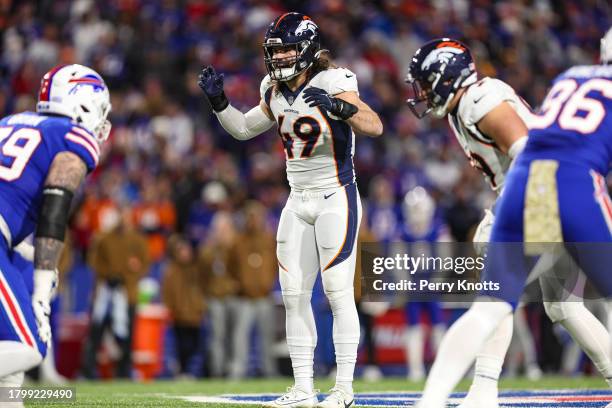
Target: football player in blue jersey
44, 157
555, 193
490, 122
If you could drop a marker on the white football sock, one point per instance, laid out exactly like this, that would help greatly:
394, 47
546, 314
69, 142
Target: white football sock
458, 350
491, 358
415, 345
16, 356
301, 338
346, 335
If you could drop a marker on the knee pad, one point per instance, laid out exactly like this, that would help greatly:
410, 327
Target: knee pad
295, 300
340, 296
558, 311
342, 303
339, 278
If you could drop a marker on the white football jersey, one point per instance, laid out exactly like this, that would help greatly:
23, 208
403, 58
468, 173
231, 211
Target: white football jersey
319, 146
479, 99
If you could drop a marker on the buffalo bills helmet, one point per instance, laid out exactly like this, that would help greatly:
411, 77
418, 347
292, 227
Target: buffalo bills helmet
79, 93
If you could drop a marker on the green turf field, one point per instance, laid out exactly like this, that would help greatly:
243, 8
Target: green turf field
165, 393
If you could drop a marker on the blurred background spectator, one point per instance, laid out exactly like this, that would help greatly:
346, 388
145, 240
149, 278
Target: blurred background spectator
217, 263
256, 270
171, 163
119, 258
183, 294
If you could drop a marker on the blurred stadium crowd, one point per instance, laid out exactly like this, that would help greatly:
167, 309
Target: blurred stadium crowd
177, 199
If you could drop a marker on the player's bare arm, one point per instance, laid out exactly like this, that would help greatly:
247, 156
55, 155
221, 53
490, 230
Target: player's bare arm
65, 176
506, 128
365, 121
66, 173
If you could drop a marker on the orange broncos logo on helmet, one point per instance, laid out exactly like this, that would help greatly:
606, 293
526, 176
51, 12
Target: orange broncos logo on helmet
451, 44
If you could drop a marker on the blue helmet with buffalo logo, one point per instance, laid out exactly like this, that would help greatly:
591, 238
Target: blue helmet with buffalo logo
437, 70
291, 31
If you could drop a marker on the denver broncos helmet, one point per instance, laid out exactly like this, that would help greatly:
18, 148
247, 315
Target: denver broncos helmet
437, 70
291, 31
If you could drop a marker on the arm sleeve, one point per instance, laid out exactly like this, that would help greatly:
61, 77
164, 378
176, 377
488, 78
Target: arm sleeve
244, 126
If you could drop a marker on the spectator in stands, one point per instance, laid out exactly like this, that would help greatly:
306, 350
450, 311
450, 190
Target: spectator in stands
183, 295
119, 258
255, 270
155, 215
221, 287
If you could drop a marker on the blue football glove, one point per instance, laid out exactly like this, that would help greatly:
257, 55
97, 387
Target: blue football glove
212, 84
336, 106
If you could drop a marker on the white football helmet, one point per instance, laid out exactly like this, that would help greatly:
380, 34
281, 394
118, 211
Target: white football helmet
79, 93
606, 48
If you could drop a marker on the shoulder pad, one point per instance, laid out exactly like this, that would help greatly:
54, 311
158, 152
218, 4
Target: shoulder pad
481, 98
336, 80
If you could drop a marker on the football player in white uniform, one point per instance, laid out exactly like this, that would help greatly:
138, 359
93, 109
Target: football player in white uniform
491, 123
316, 107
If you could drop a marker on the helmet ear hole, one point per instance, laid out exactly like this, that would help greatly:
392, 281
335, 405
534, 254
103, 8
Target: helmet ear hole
85, 108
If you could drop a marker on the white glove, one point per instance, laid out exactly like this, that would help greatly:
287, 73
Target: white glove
26, 250
45, 282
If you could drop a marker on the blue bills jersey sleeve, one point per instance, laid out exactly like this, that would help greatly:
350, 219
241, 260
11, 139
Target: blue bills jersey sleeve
82, 143
28, 144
